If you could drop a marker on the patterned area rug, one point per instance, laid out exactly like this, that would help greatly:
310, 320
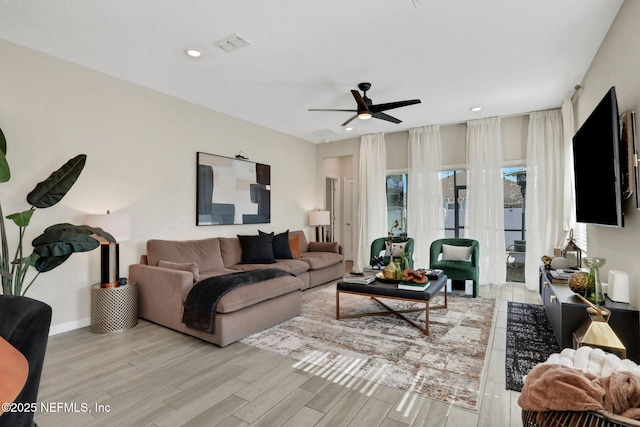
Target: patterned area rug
446, 365
530, 340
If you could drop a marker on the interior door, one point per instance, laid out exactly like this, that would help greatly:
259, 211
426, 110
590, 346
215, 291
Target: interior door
348, 239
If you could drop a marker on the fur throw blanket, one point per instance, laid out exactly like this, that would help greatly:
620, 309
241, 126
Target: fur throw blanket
201, 305
583, 380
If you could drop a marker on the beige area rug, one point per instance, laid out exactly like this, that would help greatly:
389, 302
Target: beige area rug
446, 365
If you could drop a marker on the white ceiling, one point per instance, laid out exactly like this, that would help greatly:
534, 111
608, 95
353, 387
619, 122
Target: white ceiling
508, 56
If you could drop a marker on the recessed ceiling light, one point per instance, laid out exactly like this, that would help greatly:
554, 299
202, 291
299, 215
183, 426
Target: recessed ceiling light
194, 53
349, 129
476, 109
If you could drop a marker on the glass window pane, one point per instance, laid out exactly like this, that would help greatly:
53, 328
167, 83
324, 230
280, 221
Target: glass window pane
515, 184
397, 202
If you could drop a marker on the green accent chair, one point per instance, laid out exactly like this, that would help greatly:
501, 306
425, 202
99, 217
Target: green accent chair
457, 270
378, 246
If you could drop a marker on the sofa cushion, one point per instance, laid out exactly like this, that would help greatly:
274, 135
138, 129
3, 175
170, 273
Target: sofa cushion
281, 249
318, 260
184, 266
245, 296
324, 247
289, 265
257, 249
231, 251
206, 252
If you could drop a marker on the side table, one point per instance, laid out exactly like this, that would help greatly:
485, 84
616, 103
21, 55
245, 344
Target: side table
114, 309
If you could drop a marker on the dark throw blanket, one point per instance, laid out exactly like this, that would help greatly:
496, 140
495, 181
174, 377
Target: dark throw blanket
202, 301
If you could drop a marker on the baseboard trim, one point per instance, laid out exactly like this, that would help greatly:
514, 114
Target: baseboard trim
69, 326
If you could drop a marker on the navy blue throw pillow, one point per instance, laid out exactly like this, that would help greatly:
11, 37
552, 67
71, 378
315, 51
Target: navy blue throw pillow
257, 249
281, 248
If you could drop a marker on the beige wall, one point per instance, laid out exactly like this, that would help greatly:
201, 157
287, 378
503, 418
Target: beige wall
617, 63
141, 148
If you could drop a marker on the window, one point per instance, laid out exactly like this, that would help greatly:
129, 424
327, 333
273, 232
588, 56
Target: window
454, 194
515, 185
397, 201
454, 203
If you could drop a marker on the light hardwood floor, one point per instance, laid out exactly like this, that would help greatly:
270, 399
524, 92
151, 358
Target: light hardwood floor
150, 375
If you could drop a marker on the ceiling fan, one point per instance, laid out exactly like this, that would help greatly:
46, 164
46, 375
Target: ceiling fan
367, 109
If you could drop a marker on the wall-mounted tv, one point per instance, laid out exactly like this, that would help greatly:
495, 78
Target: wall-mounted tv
601, 166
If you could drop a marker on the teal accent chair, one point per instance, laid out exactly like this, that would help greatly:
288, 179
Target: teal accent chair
457, 270
377, 246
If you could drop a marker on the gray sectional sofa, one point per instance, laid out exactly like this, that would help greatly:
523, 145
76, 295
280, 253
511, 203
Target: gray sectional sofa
169, 269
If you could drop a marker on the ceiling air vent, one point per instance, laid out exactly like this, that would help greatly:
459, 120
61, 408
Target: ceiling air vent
231, 43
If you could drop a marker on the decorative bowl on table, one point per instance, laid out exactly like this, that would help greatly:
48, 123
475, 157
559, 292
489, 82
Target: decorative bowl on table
380, 278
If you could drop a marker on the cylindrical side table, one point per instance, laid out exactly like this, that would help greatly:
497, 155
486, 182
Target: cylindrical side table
114, 309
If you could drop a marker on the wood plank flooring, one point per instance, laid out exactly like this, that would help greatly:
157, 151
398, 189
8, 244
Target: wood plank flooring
150, 375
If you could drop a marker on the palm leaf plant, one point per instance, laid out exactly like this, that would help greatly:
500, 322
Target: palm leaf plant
56, 244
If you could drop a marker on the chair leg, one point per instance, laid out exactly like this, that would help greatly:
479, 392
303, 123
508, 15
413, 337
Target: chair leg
475, 288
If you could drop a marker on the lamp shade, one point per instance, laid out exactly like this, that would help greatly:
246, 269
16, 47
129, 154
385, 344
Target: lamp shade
319, 218
118, 225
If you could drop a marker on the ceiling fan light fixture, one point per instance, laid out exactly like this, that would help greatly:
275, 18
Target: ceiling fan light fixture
365, 115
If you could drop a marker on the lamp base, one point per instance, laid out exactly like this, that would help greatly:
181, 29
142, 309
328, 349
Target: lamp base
109, 264
109, 285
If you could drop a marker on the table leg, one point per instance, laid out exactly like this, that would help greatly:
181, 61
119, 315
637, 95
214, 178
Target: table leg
337, 304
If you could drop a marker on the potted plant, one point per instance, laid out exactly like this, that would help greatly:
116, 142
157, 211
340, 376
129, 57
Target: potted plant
56, 244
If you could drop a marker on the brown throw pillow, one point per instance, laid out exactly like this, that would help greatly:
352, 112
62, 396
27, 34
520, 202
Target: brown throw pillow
191, 267
294, 245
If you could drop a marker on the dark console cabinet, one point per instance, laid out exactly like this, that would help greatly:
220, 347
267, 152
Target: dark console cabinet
567, 313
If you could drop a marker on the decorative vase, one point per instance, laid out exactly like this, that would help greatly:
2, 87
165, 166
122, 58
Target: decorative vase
399, 269
389, 272
405, 260
594, 286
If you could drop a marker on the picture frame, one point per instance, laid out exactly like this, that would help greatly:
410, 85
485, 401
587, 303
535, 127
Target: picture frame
232, 191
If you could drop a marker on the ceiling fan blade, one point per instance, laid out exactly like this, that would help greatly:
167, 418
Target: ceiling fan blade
331, 109
391, 105
350, 120
383, 116
362, 106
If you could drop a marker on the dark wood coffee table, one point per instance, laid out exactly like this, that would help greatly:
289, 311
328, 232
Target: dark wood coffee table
379, 289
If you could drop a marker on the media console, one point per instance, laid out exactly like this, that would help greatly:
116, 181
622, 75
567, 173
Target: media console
567, 313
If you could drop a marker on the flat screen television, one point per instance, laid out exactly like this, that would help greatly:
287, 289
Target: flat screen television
597, 163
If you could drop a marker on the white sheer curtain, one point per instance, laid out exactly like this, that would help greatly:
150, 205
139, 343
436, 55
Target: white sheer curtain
485, 197
425, 217
544, 199
569, 213
372, 206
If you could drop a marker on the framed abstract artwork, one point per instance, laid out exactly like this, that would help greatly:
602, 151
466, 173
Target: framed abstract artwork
232, 191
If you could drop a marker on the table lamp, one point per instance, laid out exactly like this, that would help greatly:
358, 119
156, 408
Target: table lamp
319, 219
119, 226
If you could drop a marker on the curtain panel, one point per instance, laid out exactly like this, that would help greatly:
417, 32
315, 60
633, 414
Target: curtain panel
372, 205
544, 216
485, 197
425, 213
569, 213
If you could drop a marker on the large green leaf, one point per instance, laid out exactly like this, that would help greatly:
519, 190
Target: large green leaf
50, 191
44, 264
3, 143
22, 219
80, 229
62, 242
5, 171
